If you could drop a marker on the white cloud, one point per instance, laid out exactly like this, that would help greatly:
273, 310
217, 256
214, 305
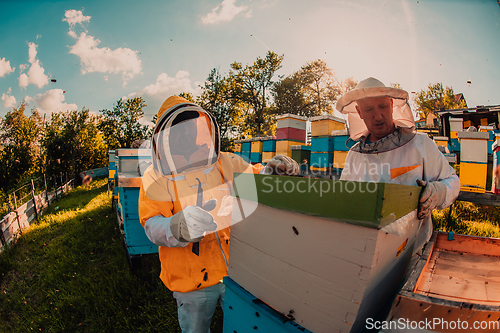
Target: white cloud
224, 12
101, 59
9, 101
73, 17
36, 73
5, 67
51, 101
166, 86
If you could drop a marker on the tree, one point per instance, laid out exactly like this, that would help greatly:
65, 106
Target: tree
216, 97
21, 154
289, 97
251, 86
311, 91
320, 86
73, 143
436, 97
121, 126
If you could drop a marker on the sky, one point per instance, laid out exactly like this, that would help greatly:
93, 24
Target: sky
69, 55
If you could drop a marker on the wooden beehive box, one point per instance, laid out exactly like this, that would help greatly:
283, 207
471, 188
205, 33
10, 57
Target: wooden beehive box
128, 184
324, 125
317, 247
457, 279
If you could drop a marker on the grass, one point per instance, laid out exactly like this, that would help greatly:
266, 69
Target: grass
468, 219
69, 273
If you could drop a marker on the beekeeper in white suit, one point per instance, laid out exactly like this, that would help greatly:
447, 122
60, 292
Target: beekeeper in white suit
391, 151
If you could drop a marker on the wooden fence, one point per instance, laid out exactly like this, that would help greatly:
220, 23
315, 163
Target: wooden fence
20, 218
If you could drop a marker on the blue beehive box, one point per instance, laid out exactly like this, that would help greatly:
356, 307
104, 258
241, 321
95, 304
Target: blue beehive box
246, 146
137, 242
454, 145
255, 157
243, 313
321, 160
341, 143
269, 145
245, 155
322, 144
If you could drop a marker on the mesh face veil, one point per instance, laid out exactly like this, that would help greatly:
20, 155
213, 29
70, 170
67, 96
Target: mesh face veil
185, 137
371, 87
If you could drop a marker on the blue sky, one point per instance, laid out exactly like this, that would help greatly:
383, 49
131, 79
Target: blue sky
101, 51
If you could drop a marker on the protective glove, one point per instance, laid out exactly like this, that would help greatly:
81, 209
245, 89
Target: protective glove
280, 165
432, 196
191, 224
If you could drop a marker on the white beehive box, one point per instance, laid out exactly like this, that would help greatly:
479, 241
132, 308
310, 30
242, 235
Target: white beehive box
331, 270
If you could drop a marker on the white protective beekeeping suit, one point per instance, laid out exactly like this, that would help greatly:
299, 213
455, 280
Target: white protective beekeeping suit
402, 157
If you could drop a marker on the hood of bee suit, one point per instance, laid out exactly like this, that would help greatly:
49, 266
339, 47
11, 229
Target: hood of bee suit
371, 87
178, 115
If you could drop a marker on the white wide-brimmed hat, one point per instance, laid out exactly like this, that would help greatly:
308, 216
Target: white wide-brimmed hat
371, 87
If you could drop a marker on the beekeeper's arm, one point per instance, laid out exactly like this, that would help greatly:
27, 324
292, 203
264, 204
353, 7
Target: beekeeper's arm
162, 227
441, 183
187, 226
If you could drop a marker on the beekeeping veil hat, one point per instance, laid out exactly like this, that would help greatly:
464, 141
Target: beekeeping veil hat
371, 87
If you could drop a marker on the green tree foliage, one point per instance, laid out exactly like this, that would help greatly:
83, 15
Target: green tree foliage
20, 156
320, 86
251, 85
289, 97
120, 126
436, 97
311, 91
216, 97
73, 143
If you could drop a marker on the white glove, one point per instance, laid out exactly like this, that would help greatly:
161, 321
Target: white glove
191, 224
280, 165
432, 196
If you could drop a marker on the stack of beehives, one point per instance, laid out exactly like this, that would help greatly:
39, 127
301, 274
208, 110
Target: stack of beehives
328, 143
291, 131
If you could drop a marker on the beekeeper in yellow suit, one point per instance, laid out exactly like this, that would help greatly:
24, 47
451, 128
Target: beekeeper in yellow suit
391, 151
185, 206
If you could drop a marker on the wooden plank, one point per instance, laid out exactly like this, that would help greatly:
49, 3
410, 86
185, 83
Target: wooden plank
487, 198
382, 203
129, 181
469, 244
414, 307
463, 277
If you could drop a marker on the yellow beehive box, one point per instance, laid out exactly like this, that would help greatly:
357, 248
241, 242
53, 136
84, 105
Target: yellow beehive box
320, 169
473, 177
111, 174
454, 134
324, 125
484, 122
267, 155
256, 147
237, 147
284, 147
441, 140
339, 159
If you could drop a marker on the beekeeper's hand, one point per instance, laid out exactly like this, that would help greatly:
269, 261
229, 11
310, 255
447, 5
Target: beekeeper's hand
432, 196
191, 224
282, 165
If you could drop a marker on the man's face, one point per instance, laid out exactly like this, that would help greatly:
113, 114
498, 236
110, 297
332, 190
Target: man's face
376, 112
183, 137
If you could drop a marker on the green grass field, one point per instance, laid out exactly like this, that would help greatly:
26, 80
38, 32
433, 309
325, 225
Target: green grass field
69, 273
